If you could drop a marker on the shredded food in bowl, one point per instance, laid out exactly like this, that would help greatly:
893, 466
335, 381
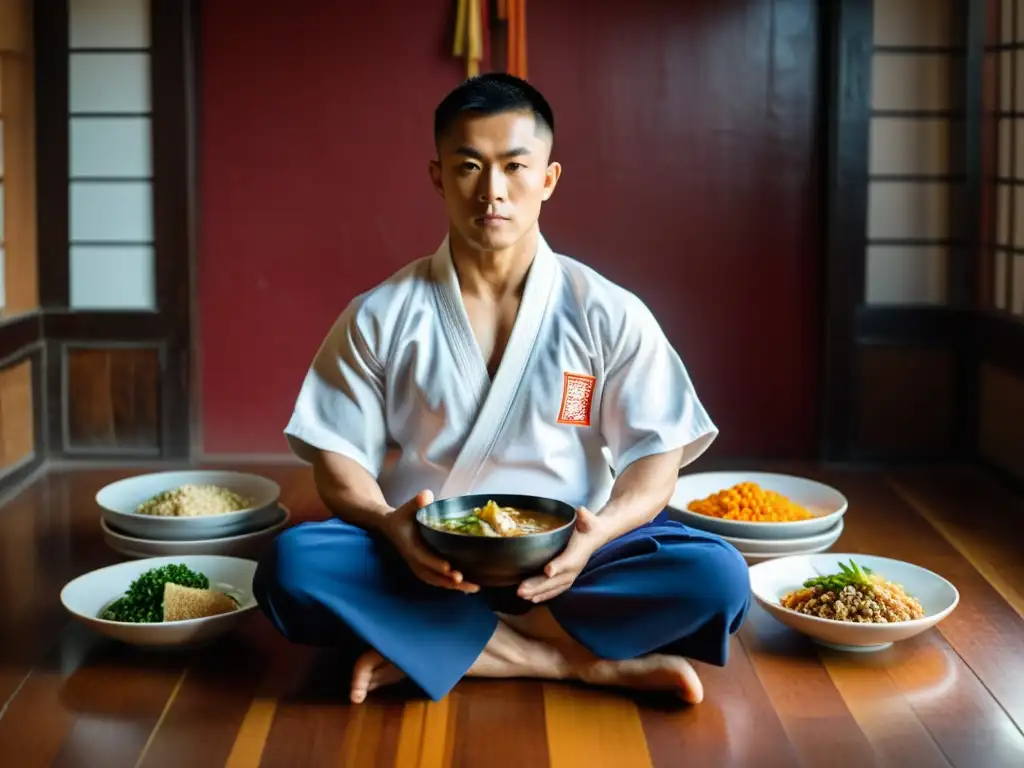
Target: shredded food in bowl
194, 501
855, 595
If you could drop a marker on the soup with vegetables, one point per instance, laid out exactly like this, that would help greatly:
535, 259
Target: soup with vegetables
495, 521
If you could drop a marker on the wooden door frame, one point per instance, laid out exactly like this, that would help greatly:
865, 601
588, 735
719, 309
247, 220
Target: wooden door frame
167, 329
961, 326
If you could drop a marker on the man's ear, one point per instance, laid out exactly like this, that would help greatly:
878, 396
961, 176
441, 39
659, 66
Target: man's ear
435, 176
551, 177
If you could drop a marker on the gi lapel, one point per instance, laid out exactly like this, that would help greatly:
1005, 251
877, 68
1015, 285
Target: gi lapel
490, 418
457, 328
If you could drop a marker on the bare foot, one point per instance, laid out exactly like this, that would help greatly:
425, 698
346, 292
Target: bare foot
372, 671
648, 673
656, 672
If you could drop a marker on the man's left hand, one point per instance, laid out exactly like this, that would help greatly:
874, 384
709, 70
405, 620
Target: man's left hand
561, 572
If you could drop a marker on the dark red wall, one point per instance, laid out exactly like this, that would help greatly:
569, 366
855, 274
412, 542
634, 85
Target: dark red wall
687, 132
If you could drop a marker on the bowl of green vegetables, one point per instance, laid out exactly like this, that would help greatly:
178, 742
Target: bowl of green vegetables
164, 601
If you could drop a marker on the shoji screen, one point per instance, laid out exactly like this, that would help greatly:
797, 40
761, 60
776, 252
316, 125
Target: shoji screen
115, 167
110, 156
909, 191
914, 120
1001, 332
1008, 273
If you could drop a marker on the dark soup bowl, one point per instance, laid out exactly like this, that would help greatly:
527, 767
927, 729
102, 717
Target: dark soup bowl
495, 561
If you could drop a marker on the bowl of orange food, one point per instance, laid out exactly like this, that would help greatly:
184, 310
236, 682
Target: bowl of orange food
757, 505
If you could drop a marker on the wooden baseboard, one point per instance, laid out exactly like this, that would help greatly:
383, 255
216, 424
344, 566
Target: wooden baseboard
18, 477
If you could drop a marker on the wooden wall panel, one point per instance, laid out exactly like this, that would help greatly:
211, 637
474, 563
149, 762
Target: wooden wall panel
111, 399
17, 105
1001, 419
15, 23
907, 404
17, 417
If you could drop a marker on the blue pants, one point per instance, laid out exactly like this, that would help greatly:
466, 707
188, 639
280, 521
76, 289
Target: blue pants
662, 588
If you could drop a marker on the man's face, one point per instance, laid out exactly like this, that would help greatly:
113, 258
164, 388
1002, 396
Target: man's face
494, 175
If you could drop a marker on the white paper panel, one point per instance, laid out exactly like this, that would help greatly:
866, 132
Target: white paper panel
913, 22
906, 275
1018, 217
909, 146
2, 215
901, 81
108, 23
1, 148
1018, 285
110, 146
1006, 81
1003, 214
111, 211
1018, 149
119, 277
999, 289
898, 210
1018, 103
109, 82
3, 280
1005, 128
1005, 21
1019, 37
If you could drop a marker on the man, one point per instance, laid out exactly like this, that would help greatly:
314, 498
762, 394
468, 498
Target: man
494, 366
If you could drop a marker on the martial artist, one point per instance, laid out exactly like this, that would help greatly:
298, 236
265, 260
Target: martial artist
497, 365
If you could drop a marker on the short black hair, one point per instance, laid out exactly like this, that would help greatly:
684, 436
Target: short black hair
490, 94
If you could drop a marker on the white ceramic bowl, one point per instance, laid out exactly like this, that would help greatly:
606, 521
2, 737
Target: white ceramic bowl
773, 579
88, 595
753, 559
782, 547
251, 544
827, 505
120, 500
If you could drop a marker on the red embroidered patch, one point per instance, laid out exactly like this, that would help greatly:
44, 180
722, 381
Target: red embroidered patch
577, 394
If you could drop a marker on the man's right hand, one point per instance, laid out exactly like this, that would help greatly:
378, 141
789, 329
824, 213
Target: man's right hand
400, 529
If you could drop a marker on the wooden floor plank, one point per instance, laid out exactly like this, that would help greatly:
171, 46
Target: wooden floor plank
287, 663
200, 726
512, 708
735, 725
373, 733
944, 684
35, 725
88, 702
425, 734
883, 713
811, 709
314, 723
984, 630
595, 728
974, 514
949, 697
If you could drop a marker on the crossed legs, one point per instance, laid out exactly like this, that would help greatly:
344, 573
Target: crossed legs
644, 604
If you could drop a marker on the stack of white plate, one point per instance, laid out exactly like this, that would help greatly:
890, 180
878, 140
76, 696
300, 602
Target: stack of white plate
759, 541
245, 533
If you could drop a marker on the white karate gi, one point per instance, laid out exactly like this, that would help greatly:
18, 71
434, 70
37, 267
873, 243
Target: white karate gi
587, 374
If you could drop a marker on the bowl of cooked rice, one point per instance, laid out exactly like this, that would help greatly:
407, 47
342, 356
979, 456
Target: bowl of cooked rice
852, 602
190, 505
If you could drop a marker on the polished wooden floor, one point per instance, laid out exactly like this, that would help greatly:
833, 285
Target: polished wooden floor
953, 696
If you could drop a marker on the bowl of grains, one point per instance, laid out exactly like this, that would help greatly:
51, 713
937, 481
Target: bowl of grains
757, 505
852, 602
189, 505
